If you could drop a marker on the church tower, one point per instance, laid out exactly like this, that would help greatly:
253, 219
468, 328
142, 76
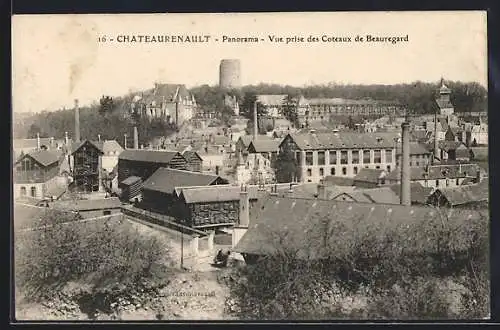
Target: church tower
444, 101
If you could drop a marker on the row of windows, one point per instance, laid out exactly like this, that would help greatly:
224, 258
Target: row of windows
355, 157
32, 191
333, 170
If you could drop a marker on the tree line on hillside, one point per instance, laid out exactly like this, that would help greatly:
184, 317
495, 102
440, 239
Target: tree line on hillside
111, 117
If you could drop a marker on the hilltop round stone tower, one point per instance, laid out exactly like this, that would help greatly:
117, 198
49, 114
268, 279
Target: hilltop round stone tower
230, 73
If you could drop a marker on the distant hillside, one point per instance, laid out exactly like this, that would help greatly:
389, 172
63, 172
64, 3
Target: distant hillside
418, 96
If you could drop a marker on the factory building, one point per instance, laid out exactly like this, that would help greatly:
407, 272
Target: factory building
340, 154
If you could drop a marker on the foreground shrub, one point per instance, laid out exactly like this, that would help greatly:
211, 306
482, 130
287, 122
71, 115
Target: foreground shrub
99, 253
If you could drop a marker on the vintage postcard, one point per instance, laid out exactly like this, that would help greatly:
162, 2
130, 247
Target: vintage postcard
251, 166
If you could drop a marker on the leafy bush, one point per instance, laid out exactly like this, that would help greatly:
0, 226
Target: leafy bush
400, 268
99, 253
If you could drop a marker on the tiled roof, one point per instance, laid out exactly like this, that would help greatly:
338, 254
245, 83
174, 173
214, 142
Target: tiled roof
77, 145
437, 172
272, 100
189, 155
480, 153
304, 223
418, 193
44, 157
368, 175
449, 145
110, 146
265, 145
347, 140
465, 194
416, 148
153, 156
341, 101
382, 195
166, 180
131, 180
338, 181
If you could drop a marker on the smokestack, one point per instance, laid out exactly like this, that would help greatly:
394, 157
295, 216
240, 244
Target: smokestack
405, 166
244, 214
99, 137
77, 122
136, 138
255, 128
436, 146
125, 141
37, 141
66, 139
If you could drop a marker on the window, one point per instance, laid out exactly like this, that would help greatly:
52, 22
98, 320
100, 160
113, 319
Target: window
106, 212
23, 191
333, 157
321, 171
309, 158
355, 156
332, 171
309, 180
344, 171
298, 155
388, 155
355, 169
447, 182
366, 157
33, 191
309, 172
388, 168
343, 157
377, 156
321, 158
458, 182
377, 167
437, 183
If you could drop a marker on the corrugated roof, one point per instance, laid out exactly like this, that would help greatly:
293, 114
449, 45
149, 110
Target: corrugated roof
304, 222
152, 156
369, 175
166, 180
44, 157
347, 140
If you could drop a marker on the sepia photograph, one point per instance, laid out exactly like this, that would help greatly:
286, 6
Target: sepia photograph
306, 166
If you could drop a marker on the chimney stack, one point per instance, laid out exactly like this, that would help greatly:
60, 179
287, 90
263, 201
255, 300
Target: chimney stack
124, 141
37, 141
51, 142
244, 215
321, 191
274, 190
99, 137
66, 139
255, 126
436, 145
136, 138
77, 122
405, 166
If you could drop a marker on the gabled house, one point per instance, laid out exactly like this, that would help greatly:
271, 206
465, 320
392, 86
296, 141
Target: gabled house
370, 178
35, 173
467, 196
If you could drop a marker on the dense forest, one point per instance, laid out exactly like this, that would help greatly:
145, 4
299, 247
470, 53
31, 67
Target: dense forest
111, 118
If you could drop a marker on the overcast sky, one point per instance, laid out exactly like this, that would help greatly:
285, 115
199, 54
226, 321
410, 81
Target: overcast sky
57, 58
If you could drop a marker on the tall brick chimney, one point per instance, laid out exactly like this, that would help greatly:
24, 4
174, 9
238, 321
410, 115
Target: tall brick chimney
136, 138
405, 166
244, 214
255, 126
37, 141
77, 121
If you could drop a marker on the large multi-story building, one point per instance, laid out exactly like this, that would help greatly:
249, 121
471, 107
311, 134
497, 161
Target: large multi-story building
323, 109
170, 102
319, 155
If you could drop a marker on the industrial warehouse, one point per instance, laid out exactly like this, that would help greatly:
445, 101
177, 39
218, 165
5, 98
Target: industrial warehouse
233, 186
